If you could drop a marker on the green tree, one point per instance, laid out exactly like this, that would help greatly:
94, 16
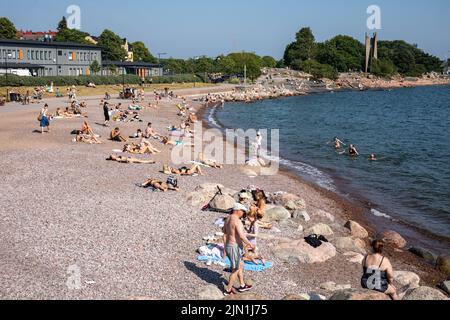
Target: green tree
7, 29
62, 25
95, 66
225, 65
142, 53
111, 44
343, 53
269, 62
306, 44
250, 61
72, 35
318, 70
383, 68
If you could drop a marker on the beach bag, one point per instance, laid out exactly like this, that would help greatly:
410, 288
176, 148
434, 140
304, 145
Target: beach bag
39, 118
172, 181
313, 241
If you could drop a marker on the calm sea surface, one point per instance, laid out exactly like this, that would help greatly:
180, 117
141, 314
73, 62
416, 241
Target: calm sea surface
409, 129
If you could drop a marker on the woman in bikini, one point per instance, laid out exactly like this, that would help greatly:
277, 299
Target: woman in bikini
86, 129
260, 208
122, 159
87, 139
184, 171
252, 229
378, 274
159, 185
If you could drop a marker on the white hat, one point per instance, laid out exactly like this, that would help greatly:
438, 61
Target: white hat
240, 207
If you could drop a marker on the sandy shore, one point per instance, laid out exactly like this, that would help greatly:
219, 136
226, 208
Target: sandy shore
63, 205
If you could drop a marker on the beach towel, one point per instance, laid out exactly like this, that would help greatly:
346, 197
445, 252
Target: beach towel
248, 265
117, 151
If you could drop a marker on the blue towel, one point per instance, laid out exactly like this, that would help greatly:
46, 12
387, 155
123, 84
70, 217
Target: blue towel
248, 265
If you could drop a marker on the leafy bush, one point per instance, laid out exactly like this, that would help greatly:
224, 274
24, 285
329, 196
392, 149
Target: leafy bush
383, 68
318, 70
17, 81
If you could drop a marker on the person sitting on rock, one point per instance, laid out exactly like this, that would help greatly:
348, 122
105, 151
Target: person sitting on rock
378, 274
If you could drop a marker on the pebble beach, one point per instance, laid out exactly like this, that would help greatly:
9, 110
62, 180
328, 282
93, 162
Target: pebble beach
64, 207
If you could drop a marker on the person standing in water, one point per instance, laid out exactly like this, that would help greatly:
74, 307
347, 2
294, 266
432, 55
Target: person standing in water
338, 143
352, 151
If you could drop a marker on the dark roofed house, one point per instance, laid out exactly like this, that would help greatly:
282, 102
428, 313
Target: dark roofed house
139, 68
48, 58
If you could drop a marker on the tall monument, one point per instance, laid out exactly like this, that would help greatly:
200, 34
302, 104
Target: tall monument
371, 50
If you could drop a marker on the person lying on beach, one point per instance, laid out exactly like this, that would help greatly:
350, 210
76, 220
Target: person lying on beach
167, 142
251, 231
115, 135
122, 159
379, 267
184, 171
86, 138
210, 163
59, 112
193, 118
140, 148
159, 185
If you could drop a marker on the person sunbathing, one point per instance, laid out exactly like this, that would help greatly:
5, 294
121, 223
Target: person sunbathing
59, 113
137, 135
166, 141
207, 162
259, 207
150, 132
147, 144
193, 118
87, 139
159, 185
117, 136
122, 159
184, 171
87, 129
139, 149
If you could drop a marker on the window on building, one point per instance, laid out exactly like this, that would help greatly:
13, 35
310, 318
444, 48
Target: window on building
49, 55
59, 52
32, 55
28, 55
70, 56
45, 55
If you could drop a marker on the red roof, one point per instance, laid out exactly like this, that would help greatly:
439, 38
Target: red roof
35, 35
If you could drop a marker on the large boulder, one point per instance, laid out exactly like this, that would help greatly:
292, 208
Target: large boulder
424, 293
354, 257
277, 214
210, 292
443, 264
301, 215
223, 202
332, 286
358, 295
406, 278
294, 297
323, 215
393, 238
425, 254
300, 251
320, 229
350, 244
295, 205
356, 230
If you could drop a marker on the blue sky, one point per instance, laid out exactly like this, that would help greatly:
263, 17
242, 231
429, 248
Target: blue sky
187, 28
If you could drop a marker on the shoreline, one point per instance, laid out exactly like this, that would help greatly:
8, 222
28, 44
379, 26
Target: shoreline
356, 208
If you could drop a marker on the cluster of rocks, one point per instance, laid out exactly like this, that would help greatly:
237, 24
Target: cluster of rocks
348, 239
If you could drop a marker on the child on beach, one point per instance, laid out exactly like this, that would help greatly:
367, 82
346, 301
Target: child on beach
252, 230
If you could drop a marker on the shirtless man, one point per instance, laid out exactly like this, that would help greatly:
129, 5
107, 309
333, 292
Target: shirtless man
150, 132
234, 240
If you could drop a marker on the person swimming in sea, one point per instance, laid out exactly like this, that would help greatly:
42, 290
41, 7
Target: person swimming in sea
338, 143
373, 158
352, 151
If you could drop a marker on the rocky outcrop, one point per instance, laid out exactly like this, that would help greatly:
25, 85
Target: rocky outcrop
406, 278
424, 293
204, 193
425, 254
443, 264
358, 295
356, 230
344, 244
223, 202
301, 215
277, 214
323, 215
320, 229
393, 238
332, 286
300, 251
294, 297
210, 292
354, 257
